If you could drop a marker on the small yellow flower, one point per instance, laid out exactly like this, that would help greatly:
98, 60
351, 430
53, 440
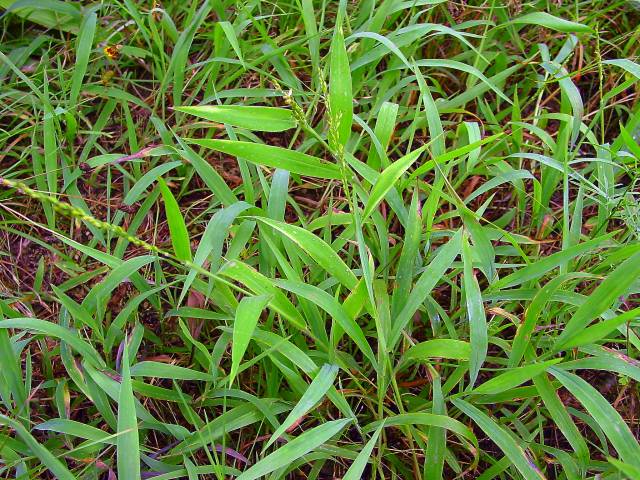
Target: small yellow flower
112, 51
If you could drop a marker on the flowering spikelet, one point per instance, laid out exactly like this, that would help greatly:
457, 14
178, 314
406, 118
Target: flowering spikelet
70, 211
296, 109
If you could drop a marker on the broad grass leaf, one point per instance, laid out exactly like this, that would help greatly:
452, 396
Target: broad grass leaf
615, 285
317, 248
247, 316
598, 331
357, 467
48, 459
527, 327
274, 157
257, 118
178, 64
317, 389
439, 348
437, 444
119, 274
431, 275
54, 330
502, 439
543, 265
605, 360
147, 179
512, 378
479, 336
48, 13
177, 228
11, 373
83, 50
560, 416
209, 175
463, 67
631, 67
385, 125
388, 178
77, 311
552, 22
609, 420
77, 429
261, 285
427, 419
212, 241
451, 155
311, 30
631, 471
406, 265
167, 370
128, 441
296, 448
330, 305
230, 33
340, 89
233, 419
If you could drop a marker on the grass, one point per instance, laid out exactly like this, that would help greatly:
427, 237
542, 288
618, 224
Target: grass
307, 239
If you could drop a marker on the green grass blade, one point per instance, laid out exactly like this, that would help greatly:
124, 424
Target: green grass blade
211, 243
177, 228
439, 348
478, 330
83, 49
274, 157
166, 370
340, 89
388, 178
56, 331
128, 442
615, 285
502, 439
539, 268
55, 466
247, 316
429, 278
550, 21
296, 448
260, 119
561, 417
357, 467
317, 248
604, 414
319, 386
513, 378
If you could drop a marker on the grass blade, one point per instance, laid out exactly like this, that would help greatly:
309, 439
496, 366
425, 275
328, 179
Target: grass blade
177, 227
357, 467
247, 316
55, 466
475, 312
388, 179
500, 437
128, 443
83, 48
340, 89
615, 285
260, 119
274, 157
549, 21
296, 448
604, 414
318, 388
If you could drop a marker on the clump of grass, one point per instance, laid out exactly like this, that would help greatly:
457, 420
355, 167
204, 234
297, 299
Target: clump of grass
319, 240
